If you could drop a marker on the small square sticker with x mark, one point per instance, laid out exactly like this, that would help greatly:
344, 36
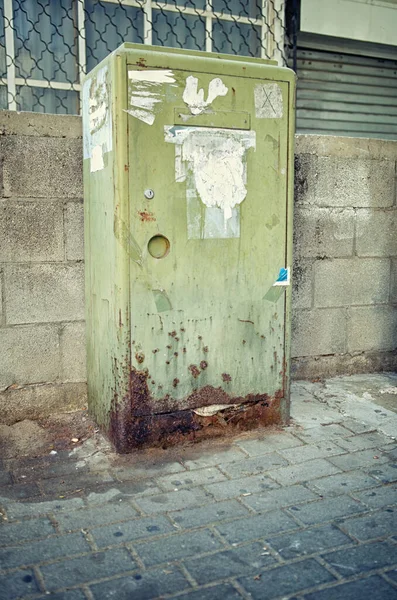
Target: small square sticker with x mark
268, 101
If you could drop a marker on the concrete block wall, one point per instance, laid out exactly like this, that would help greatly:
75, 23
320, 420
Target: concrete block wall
345, 271
42, 346
345, 292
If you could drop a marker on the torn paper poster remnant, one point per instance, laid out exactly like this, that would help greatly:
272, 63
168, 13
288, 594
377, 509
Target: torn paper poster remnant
283, 278
213, 163
268, 101
194, 97
146, 90
97, 120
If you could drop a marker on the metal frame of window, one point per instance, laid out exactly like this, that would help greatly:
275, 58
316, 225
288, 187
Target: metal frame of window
272, 26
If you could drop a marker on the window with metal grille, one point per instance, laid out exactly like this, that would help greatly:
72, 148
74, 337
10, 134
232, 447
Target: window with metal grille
46, 46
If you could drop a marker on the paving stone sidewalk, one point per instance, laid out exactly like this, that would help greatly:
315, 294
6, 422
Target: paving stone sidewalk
307, 512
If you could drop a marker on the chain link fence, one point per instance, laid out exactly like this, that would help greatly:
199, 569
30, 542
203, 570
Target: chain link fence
46, 46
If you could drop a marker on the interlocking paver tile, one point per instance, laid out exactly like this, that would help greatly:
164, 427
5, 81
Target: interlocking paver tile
61, 485
308, 541
371, 588
392, 574
116, 490
97, 515
43, 550
32, 509
357, 426
254, 465
279, 498
12, 533
190, 478
342, 483
45, 468
303, 472
93, 566
365, 557
230, 563
197, 459
319, 433
178, 546
241, 486
376, 524
19, 491
210, 513
172, 500
378, 497
286, 580
364, 441
269, 443
119, 533
5, 478
67, 595
18, 584
224, 591
384, 473
142, 470
327, 509
311, 451
256, 527
357, 460
142, 586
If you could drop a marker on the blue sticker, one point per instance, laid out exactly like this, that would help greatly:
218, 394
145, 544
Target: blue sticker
283, 277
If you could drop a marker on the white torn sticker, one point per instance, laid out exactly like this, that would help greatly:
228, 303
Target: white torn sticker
146, 89
97, 121
268, 101
194, 97
214, 165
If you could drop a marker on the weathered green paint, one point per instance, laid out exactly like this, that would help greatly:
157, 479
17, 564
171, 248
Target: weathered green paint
203, 325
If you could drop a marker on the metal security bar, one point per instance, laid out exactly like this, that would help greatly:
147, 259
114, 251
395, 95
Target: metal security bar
46, 46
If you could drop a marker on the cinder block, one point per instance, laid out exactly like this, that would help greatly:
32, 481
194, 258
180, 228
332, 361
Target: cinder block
324, 232
356, 281
376, 233
393, 283
73, 352
317, 332
44, 292
41, 401
372, 328
302, 283
345, 181
39, 125
74, 230
29, 354
1, 296
42, 167
30, 231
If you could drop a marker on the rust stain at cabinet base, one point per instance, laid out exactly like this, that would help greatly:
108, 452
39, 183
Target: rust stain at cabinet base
134, 423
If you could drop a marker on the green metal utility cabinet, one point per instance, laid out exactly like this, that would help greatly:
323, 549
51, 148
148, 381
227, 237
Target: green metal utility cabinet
188, 236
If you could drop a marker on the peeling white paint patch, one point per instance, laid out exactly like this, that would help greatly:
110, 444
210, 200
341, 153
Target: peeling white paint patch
147, 90
97, 159
155, 76
97, 121
213, 164
209, 411
268, 101
194, 97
